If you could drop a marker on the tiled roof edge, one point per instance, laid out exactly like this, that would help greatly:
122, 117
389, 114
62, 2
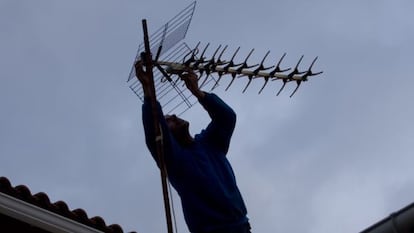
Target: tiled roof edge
60, 208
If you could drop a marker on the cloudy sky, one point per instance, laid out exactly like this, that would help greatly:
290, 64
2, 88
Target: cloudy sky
337, 157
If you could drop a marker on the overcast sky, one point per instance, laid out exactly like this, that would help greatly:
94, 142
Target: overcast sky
337, 157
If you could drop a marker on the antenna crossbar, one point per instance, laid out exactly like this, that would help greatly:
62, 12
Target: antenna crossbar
222, 67
176, 68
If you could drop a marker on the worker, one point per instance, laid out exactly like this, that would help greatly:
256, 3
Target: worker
197, 166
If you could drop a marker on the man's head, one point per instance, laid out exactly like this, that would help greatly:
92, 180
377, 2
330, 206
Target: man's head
179, 128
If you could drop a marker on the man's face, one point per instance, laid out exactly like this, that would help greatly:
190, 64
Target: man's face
177, 125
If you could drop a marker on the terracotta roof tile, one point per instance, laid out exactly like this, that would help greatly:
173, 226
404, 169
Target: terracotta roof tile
60, 207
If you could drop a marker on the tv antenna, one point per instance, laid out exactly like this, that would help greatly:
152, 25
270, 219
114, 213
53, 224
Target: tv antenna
172, 59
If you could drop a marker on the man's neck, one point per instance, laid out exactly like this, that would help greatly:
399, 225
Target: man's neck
186, 141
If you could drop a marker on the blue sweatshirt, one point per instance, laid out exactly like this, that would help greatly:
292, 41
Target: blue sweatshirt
200, 172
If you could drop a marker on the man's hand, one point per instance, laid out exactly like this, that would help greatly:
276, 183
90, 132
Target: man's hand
144, 78
191, 81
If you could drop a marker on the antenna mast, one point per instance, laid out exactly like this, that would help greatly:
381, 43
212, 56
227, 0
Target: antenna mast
166, 37
147, 58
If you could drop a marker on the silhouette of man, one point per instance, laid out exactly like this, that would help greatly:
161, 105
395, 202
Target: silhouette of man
197, 166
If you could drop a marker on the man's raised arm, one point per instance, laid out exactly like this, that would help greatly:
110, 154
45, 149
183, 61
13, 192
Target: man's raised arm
223, 118
147, 117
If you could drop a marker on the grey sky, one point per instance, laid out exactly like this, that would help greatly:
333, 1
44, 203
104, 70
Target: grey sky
334, 158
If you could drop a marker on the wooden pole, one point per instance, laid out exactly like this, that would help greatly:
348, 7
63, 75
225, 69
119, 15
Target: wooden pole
158, 134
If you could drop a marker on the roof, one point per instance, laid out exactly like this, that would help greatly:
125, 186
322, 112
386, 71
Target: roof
401, 221
40, 203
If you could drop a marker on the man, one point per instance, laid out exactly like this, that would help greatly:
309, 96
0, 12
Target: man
197, 166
